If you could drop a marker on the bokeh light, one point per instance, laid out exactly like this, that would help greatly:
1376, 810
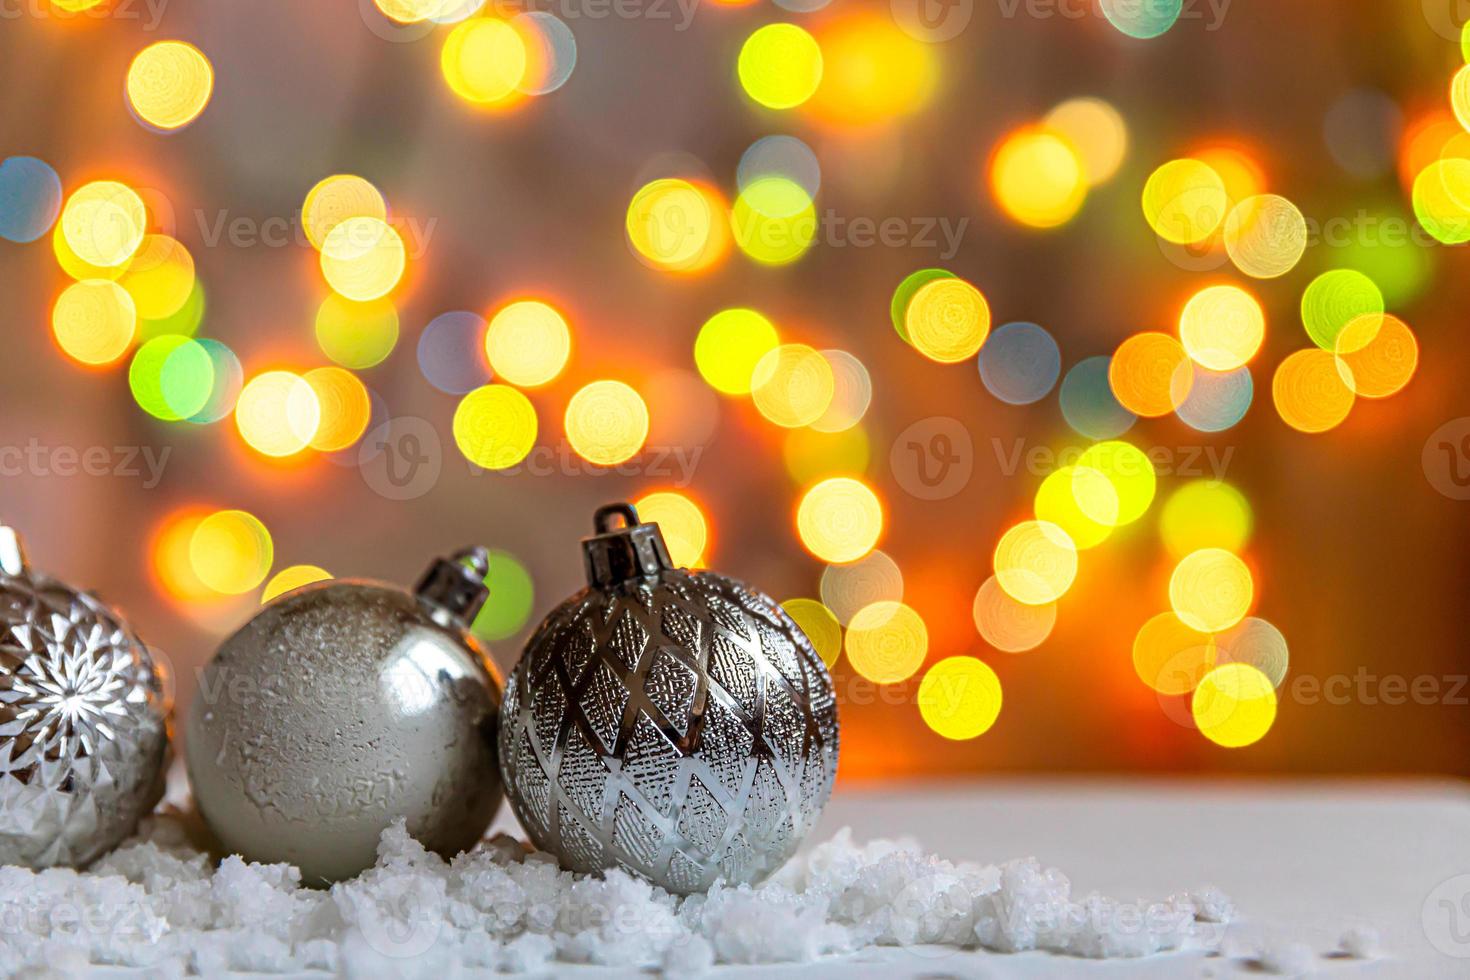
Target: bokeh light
793, 385
1008, 625
103, 223
1265, 236
1234, 706
1038, 178
30, 198
729, 346
278, 413
1217, 400
332, 200
1098, 133
171, 377
1211, 590
1184, 201
1081, 501
358, 335
1035, 562
839, 519
169, 84
1309, 392
1150, 374
1019, 363
685, 530
1460, 95
1142, 20
484, 61
846, 588
551, 51
606, 422
231, 552
1170, 656
780, 66
184, 321
886, 642
774, 220
451, 352
1336, 298
495, 426
1205, 514
94, 321
852, 393
292, 578
1222, 327
363, 258
959, 698
1377, 355
780, 156
1130, 472
512, 596
1442, 200
904, 295
228, 380
1088, 403
1256, 642
873, 71
947, 320
160, 277
168, 549
819, 625
676, 225
528, 343
345, 408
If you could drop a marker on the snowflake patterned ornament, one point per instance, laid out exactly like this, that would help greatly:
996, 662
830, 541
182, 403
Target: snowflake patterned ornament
83, 721
674, 724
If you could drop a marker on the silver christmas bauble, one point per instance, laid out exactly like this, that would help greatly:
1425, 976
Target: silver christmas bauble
342, 707
678, 725
83, 721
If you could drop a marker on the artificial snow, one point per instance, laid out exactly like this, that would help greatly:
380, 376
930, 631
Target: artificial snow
1361, 943
160, 904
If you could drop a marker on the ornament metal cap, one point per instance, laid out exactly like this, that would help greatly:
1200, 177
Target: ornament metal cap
624, 554
455, 586
12, 552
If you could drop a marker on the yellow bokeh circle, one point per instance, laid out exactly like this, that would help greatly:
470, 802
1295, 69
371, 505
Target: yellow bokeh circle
292, 578
1038, 178
677, 226
363, 258
1265, 236
606, 422
1376, 355
332, 200
960, 698
103, 223
495, 426
1008, 625
886, 642
947, 320
1222, 327
345, 408
278, 413
685, 530
1150, 374
1098, 133
774, 220
1184, 201
839, 519
792, 385
1309, 391
1211, 590
1171, 656
231, 552
729, 346
1035, 562
1234, 706
160, 277
169, 84
1081, 501
94, 321
1131, 473
780, 66
528, 343
484, 61
819, 625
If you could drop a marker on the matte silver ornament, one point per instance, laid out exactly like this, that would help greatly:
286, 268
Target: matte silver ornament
83, 721
678, 725
341, 707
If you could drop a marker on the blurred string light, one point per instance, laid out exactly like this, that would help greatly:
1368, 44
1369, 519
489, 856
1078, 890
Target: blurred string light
1256, 642
171, 377
358, 335
780, 156
1132, 476
684, 527
1088, 403
1309, 392
729, 346
793, 385
1007, 624
1211, 590
886, 642
184, 321
345, 408
874, 72
1150, 374
484, 61
1435, 135
103, 223
960, 698
160, 277
413, 11
847, 588
1441, 200
290, 579
528, 343
1222, 327
812, 455
1020, 363
1336, 298
30, 198
1265, 236
1237, 168
1038, 178
606, 422
1217, 400
780, 66
332, 200
1205, 514
904, 295
227, 381
168, 548
947, 320
1170, 656
74, 266
169, 84
94, 322
495, 426
363, 258
774, 220
1081, 501
819, 625
551, 51
231, 552
852, 393
839, 519
1035, 562
1184, 201
1460, 96
451, 352
512, 597
676, 225
278, 413
1376, 355
1234, 705
1096, 131
1142, 20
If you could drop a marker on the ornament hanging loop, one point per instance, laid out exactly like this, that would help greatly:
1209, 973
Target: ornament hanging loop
455, 586
12, 552
619, 555
602, 521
